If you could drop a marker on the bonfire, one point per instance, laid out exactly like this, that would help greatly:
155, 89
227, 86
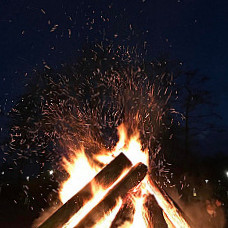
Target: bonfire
115, 195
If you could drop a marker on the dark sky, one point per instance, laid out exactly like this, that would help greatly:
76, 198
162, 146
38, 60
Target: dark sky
47, 32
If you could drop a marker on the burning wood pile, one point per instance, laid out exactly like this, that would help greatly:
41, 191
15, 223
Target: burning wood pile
117, 195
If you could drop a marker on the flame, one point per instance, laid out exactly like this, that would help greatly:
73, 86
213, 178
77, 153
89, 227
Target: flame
75, 219
81, 172
98, 193
109, 217
169, 209
169, 223
140, 216
130, 146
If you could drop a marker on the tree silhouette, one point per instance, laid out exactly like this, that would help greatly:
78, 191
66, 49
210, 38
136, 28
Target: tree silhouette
196, 103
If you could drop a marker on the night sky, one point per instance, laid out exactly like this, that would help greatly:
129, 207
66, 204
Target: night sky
35, 34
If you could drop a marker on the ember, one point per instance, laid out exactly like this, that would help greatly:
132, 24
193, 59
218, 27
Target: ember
98, 203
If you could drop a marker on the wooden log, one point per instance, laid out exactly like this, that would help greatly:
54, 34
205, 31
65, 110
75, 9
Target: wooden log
167, 205
125, 214
106, 177
169, 223
128, 182
155, 213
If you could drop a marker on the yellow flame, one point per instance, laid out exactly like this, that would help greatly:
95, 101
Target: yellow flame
98, 193
76, 218
80, 171
169, 209
169, 223
140, 216
106, 221
131, 147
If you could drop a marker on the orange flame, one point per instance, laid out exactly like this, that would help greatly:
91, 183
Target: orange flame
169, 223
98, 193
170, 210
132, 148
81, 172
140, 216
109, 217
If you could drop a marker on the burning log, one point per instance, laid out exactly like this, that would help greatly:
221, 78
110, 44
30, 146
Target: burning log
169, 223
155, 213
126, 213
173, 214
131, 180
106, 177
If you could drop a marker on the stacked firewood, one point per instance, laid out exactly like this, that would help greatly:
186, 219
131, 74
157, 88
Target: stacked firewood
107, 178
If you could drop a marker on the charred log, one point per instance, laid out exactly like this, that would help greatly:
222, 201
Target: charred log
131, 180
169, 223
167, 205
155, 213
125, 214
